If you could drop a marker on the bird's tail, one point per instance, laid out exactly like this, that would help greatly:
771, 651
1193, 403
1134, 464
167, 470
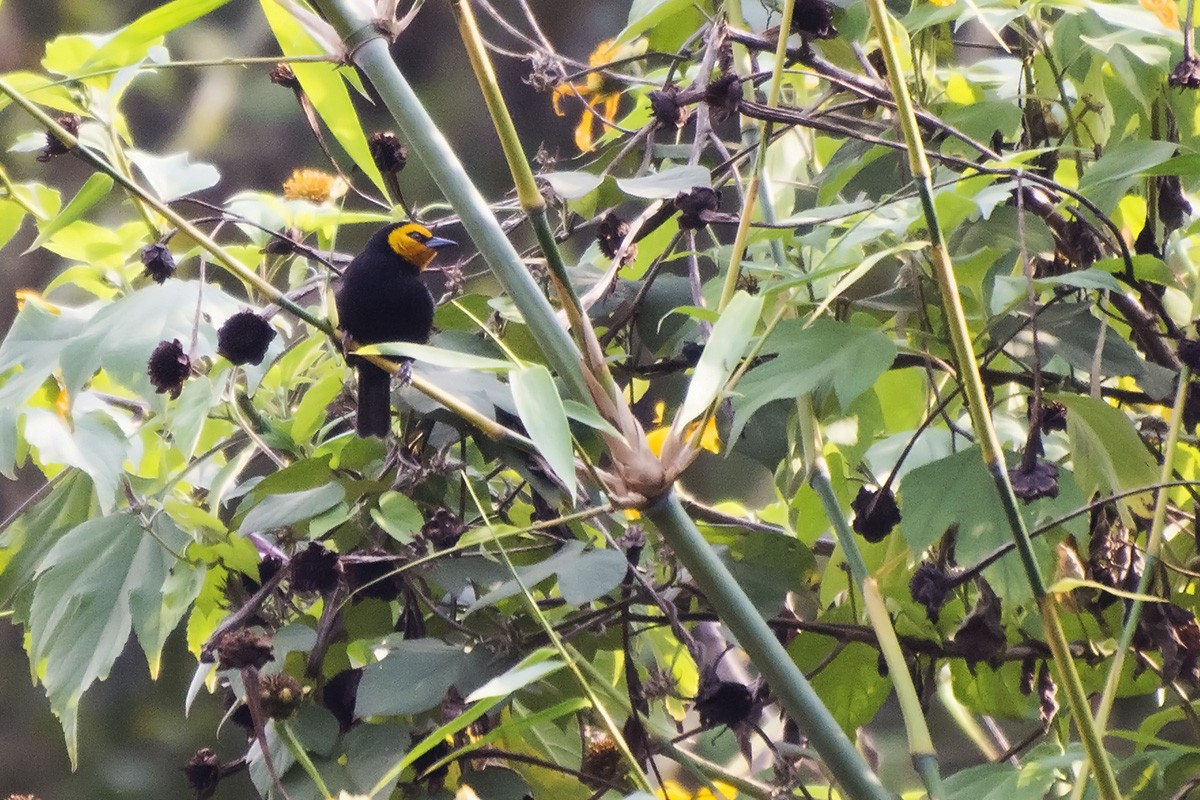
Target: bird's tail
374, 401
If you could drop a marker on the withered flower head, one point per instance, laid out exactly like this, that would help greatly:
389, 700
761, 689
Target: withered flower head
1053, 416
1186, 74
1173, 207
168, 368
283, 75
1174, 633
611, 231
875, 513
203, 772
1080, 244
1047, 695
340, 694
1028, 675
930, 585
56, 146
723, 95
159, 262
244, 338
666, 108
601, 760
388, 152
315, 569
1113, 559
1039, 481
724, 703
312, 185
443, 529
813, 18
242, 648
696, 206
268, 567
280, 695
980, 637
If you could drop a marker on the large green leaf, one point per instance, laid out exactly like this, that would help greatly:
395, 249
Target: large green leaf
132, 41
93, 586
723, 352
541, 411
583, 575
827, 355
324, 87
1031, 781
281, 510
1106, 451
95, 189
415, 675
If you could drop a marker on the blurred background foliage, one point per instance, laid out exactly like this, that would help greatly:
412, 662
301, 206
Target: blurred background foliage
254, 133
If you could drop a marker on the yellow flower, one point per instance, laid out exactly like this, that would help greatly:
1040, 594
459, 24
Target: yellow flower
33, 296
674, 790
943, 3
1165, 10
710, 440
313, 185
600, 93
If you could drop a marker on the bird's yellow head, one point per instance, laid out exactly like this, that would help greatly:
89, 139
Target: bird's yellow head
415, 243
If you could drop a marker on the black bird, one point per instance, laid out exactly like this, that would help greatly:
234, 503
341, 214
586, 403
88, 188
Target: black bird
382, 299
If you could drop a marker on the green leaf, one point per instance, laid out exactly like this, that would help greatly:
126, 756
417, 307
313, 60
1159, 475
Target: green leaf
88, 588
132, 41
174, 176
646, 14
666, 184
1031, 781
532, 668
1106, 451
583, 576
415, 675
572, 185
281, 510
92, 192
722, 354
157, 611
313, 407
541, 411
399, 516
91, 442
827, 355
325, 89
1117, 170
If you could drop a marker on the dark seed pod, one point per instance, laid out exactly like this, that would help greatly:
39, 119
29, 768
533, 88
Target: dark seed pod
1145, 243
244, 338
56, 146
1039, 481
268, 567
1054, 416
1186, 74
371, 574
1080, 244
168, 368
203, 772
875, 513
315, 569
930, 585
1174, 633
443, 529
284, 242
1028, 675
666, 108
697, 206
813, 18
1047, 695
159, 262
1173, 207
981, 637
723, 96
601, 762
724, 703
340, 695
283, 75
388, 152
280, 695
243, 648
611, 231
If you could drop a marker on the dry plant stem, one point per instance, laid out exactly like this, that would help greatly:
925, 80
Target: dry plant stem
980, 415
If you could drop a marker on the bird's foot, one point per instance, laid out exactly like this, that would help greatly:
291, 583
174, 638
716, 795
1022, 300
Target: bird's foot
404, 373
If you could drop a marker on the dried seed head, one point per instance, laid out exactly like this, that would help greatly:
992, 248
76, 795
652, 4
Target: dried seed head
243, 648
56, 146
611, 231
1186, 74
372, 574
1047, 696
443, 529
981, 637
280, 695
388, 152
1113, 560
813, 18
244, 338
1041, 480
168, 368
875, 513
696, 206
666, 108
203, 772
315, 569
723, 96
1174, 633
930, 585
283, 75
1173, 207
724, 703
159, 262
601, 760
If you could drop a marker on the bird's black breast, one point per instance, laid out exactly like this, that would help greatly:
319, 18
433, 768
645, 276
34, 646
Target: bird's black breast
382, 301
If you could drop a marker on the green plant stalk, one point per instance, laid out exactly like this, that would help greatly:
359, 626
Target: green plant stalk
369, 52
301, 755
920, 743
760, 162
220, 254
635, 768
962, 716
769, 657
980, 415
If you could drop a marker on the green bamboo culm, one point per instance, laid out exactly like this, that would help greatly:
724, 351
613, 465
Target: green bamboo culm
977, 406
369, 52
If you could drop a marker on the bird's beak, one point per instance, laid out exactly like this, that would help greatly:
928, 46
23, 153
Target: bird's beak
437, 243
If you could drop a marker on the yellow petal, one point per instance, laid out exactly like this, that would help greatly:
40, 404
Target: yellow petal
583, 132
1165, 10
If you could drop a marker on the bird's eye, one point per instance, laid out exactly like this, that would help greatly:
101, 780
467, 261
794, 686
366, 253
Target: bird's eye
417, 236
